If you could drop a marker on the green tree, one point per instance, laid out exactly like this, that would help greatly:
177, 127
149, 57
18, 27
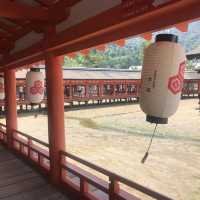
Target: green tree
132, 53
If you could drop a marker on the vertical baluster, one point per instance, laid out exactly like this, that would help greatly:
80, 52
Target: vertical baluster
39, 158
5, 138
20, 147
114, 188
126, 89
83, 187
1, 130
60, 166
63, 172
29, 147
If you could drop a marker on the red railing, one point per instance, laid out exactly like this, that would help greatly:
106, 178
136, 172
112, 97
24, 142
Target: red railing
83, 182
3, 136
33, 149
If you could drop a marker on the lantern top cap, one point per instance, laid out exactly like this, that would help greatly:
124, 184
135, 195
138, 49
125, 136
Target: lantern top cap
35, 69
167, 38
156, 120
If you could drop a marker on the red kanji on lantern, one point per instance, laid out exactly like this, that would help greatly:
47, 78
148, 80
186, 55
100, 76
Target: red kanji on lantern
37, 88
1, 87
182, 70
175, 83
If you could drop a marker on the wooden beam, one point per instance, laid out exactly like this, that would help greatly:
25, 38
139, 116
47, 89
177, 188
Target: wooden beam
42, 3
25, 28
15, 10
183, 27
6, 45
63, 3
110, 26
147, 36
7, 28
4, 35
61, 10
68, 3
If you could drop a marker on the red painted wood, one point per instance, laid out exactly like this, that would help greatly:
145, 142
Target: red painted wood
147, 36
55, 102
15, 10
183, 27
101, 47
120, 43
112, 25
104, 190
10, 102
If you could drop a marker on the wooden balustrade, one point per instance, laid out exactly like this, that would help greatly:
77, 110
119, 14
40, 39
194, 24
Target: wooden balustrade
3, 136
108, 190
85, 183
32, 149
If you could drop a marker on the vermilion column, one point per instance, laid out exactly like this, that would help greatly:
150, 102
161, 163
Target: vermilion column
10, 102
55, 105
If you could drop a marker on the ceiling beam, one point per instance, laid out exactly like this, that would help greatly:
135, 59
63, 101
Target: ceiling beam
68, 3
110, 26
8, 28
21, 29
41, 3
61, 10
6, 45
116, 24
15, 10
4, 34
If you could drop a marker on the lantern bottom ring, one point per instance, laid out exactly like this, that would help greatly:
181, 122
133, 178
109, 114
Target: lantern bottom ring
156, 120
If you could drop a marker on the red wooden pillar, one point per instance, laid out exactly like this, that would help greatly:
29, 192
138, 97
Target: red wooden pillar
11, 105
55, 104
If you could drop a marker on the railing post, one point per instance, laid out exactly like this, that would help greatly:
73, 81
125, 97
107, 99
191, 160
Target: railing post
84, 187
29, 147
113, 188
11, 105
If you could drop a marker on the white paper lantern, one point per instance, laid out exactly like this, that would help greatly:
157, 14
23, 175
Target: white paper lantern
34, 86
162, 78
2, 89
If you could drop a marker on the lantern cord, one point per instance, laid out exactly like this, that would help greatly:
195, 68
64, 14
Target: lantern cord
150, 143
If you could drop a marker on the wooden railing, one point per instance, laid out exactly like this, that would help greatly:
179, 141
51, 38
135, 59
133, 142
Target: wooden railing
3, 136
92, 187
32, 149
83, 182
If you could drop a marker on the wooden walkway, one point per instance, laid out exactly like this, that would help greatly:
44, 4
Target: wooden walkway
19, 181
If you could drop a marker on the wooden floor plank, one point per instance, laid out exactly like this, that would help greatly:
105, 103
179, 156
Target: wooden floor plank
12, 173
19, 181
38, 193
21, 187
46, 192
